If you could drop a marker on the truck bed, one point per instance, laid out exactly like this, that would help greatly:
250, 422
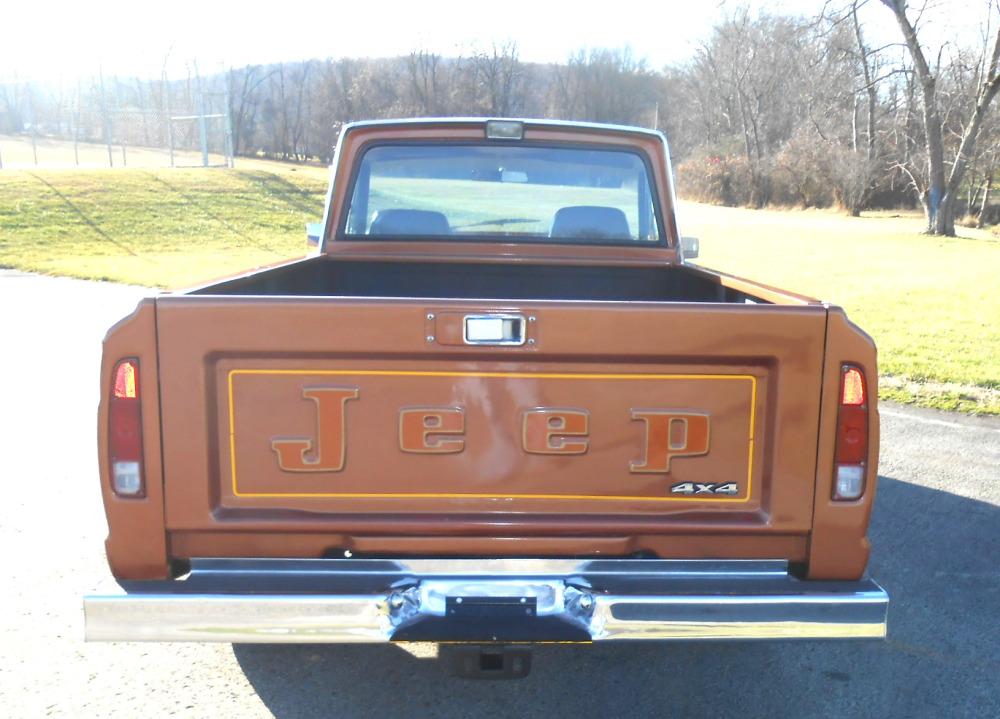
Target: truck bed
331, 276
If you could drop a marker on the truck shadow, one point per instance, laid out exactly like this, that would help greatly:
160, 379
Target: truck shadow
936, 553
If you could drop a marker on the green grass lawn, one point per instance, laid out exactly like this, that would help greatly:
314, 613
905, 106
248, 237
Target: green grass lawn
931, 303
160, 227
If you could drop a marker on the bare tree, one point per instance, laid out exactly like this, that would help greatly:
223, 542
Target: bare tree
940, 195
299, 126
425, 73
499, 75
753, 69
244, 103
604, 85
858, 171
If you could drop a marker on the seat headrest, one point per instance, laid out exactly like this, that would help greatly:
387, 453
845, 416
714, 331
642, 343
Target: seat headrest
590, 222
409, 222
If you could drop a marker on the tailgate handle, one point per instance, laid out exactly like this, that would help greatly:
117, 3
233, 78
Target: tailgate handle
493, 329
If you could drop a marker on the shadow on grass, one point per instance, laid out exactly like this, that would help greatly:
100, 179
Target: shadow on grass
935, 553
287, 192
211, 214
86, 219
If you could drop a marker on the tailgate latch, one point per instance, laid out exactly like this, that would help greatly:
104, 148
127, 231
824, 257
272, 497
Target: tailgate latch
494, 329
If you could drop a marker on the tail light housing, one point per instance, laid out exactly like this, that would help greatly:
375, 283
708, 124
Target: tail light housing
852, 435
125, 431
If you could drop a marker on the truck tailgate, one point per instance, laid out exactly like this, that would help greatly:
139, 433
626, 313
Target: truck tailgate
343, 418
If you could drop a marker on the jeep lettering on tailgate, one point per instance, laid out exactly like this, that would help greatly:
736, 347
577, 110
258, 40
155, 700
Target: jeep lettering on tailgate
441, 430
380, 433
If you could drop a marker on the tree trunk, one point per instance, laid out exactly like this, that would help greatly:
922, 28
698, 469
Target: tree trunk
755, 193
944, 218
980, 221
972, 196
937, 217
854, 126
931, 119
871, 91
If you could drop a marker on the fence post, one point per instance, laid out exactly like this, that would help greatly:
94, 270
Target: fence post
170, 119
107, 119
34, 126
230, 150
202, 130
76, 127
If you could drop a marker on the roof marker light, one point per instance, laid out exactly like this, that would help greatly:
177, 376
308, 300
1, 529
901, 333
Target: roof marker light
504, 130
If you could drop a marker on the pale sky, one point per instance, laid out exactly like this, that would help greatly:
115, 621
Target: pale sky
61, 39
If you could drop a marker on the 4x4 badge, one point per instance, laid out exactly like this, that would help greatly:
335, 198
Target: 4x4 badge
705, 488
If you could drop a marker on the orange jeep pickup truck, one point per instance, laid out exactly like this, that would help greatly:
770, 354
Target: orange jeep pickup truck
496, 405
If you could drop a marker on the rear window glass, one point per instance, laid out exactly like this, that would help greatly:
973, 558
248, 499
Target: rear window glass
512, 192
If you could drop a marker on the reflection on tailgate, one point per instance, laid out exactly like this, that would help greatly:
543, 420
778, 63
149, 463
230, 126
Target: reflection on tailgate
374, 433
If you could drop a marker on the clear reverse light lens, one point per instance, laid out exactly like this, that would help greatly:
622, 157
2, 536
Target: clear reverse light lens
850, 481
127, 478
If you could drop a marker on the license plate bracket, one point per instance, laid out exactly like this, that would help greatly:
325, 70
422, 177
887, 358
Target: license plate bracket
491, 607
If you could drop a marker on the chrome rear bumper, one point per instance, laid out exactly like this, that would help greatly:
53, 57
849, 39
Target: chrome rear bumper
498, 600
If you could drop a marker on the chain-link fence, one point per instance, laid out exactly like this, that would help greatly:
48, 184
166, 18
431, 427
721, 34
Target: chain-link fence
114, 123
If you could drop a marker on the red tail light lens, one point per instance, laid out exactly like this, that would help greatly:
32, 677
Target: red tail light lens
125, 431
852, 436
